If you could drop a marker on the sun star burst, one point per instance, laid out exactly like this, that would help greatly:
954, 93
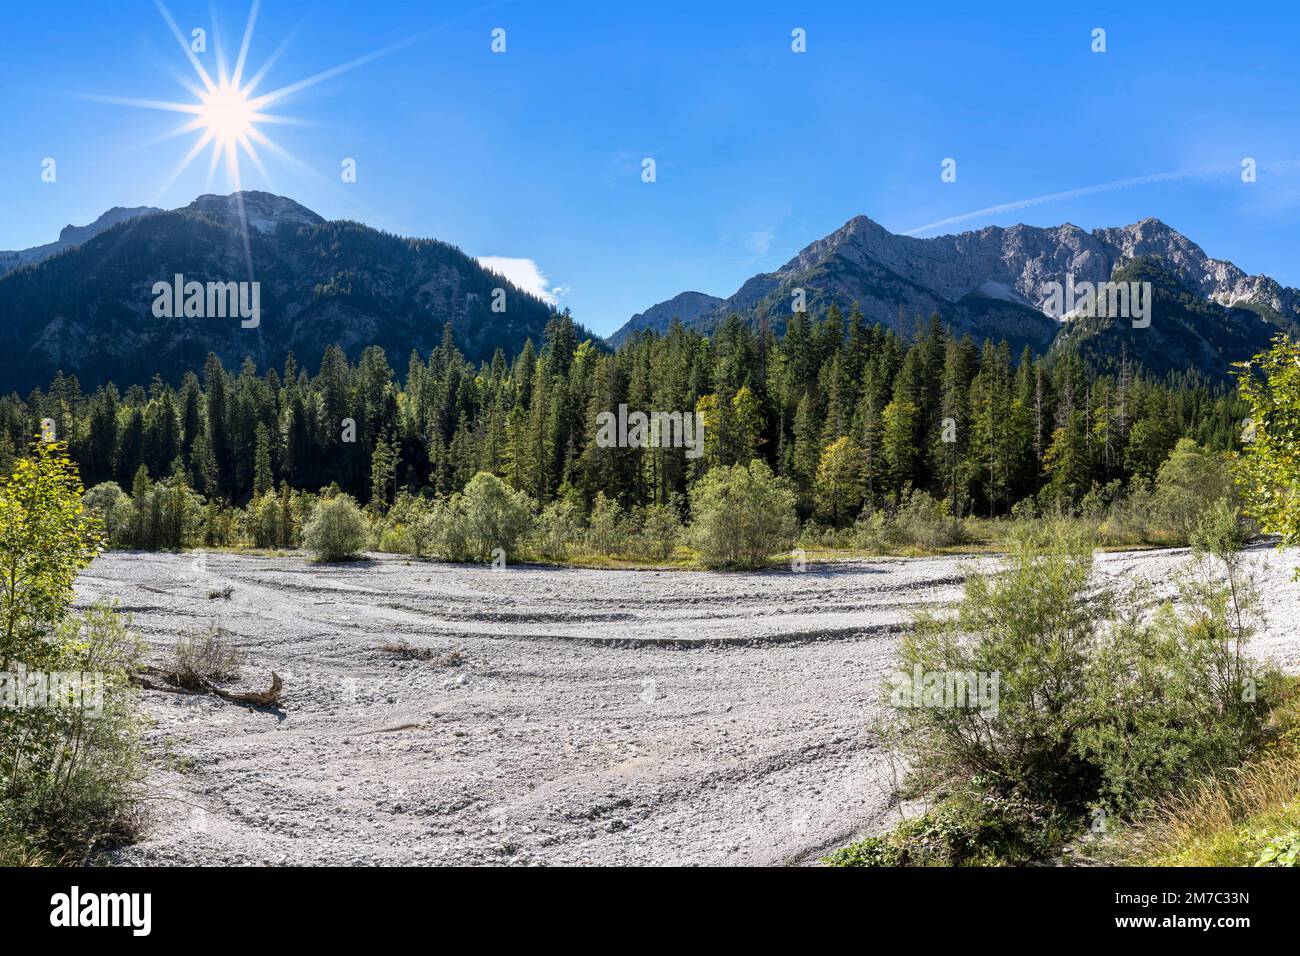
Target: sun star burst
226, 112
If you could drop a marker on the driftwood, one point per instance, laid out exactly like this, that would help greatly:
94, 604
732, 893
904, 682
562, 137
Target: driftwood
157, 678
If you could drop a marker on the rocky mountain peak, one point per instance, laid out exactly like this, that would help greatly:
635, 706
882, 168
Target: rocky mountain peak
71, 235
263, 211
957, 276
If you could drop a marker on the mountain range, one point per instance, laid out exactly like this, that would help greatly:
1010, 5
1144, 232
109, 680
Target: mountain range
992, 283
85, 305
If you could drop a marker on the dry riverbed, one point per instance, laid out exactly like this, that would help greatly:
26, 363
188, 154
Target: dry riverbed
562, 716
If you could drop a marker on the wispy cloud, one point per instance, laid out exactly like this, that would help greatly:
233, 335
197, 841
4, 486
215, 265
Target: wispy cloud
760, 240
1068, 194
527, 275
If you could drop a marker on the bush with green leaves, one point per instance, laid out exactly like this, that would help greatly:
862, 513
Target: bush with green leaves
398, 530
1174, 696
919, 520
471, 526
875, 531
69, 758
394, 539
661, 528
1131, 518
264, 520
1190, 480
337, 530
274, 520
161, 515
496, 515
111, 505
72, 775
1098, 702
606, 526
444, 530
1270, 459
967, 828
924, 521
1032, 623
1281, 850
46, 537
557, 531
741, 516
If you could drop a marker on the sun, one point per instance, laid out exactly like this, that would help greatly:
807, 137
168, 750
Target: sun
227, 113
228, 108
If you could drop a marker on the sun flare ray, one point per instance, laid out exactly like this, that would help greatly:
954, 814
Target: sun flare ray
180, 38
226, 112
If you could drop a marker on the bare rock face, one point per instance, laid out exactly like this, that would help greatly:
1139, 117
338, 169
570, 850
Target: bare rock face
262, 211
889, 275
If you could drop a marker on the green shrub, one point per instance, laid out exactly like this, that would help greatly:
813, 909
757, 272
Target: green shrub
923, 521
264, 520
741, 516
557, 530
444, 531
1189, 481
496, 516
919, 521
1270, 458
1098, 704
1031, 623
660, 531
606, 527
46, 537
1282, 850
1130, 518
966, 829
336, 530
72, 776
69, 760
107, 501
1175, 696
489, 515
394, 539
875, 531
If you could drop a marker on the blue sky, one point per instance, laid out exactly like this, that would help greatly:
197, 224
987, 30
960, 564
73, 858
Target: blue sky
536, 154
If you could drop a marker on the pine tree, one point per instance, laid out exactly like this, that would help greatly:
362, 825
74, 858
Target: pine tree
383, 474
263, 480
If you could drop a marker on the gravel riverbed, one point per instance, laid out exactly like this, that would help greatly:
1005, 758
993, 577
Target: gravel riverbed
562, 716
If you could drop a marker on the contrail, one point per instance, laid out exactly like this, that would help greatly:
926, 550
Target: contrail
1073, 194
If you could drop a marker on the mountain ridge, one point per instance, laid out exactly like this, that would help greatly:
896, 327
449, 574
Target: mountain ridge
69, 237
88, 311
887, 274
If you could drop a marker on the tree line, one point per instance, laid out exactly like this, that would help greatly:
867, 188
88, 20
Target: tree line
852, 414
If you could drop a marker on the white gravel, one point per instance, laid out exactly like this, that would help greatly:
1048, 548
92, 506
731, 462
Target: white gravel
602, 717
